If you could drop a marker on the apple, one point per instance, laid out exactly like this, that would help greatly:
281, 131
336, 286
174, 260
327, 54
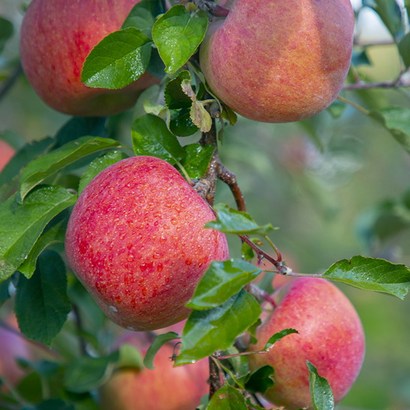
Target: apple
13, 346
330, 336
136, 240
56, 37
279, 61
163, 388
6, 153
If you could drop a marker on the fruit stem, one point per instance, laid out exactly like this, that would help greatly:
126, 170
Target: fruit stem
80, 330
353, 104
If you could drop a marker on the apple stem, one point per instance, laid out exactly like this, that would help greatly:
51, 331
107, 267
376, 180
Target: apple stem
80, 330
261, 294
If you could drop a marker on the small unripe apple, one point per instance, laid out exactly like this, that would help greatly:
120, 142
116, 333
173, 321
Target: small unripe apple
163, 388
56, 37
136, 240
6, 153
279, 61
330, 337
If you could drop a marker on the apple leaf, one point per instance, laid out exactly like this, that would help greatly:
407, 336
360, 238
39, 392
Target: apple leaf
150, 136
129, 357
6, 31
371, 274
209, 330
159, 341
118, 60
9, 175
55, 234
197, 160
221, 281
42, 304
177, 35
181, 123
98, 165
51, 404
87, 373
277, 336
320, 391
48, 164
230, 220
142, 16
22, 224
397, 121
227, 398
175, 98
404, 49
260, 380
391, 15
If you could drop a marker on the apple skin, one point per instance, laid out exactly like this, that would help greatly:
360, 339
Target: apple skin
330, 336
163, 388
56, 37
136, 240
279, 61
6, 153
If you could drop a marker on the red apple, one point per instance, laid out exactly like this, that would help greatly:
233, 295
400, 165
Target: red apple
279, 61
6, 153
330, 337
163, 388
56, 37
137, 241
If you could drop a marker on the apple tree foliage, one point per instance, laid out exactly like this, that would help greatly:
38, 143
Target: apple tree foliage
43, 180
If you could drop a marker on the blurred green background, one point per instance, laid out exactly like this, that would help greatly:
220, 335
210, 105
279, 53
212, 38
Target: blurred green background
318, 187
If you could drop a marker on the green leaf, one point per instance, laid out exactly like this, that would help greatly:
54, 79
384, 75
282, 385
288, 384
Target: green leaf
22, 224
390, 14
42, 304
197, 160
10, 174
221, 281
51, 404
159, 341
227, 398
404, 49
55, 234
277, 336
6, 31
320, 391
46, 165
98, 165
142, 16
118, 60
371, 274
88, 373
129, 357
260, 380
175, 97
230, 220
181, 123
177, 35
397, 121
216, 329
360, 58
150, 136
4, 291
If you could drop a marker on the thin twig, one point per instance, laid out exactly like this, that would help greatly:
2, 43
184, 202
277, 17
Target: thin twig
381, 84
80, 330
215, 382
10, 81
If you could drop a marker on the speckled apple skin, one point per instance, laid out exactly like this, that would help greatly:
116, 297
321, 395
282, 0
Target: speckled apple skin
330, 336
279, 61
56, 37
6, 153
163, 388
136, 240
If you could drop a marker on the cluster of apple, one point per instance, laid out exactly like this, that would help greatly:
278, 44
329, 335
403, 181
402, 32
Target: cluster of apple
136, 237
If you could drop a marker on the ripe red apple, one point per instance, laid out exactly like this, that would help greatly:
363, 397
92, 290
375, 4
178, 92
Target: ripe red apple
136, 239
163, 388
6, 152
330, 337
279, 61
13, 346
56, 37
